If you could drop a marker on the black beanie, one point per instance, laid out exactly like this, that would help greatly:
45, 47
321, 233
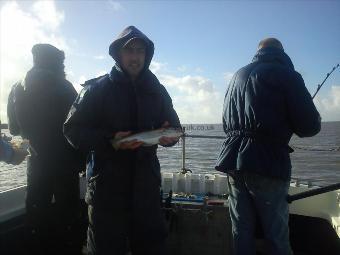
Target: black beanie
47, 54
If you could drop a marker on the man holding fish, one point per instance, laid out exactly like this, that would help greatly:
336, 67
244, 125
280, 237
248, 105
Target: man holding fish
123, 191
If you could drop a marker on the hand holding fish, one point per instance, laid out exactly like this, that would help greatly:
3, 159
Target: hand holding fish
20, 151
127, 145
163, 136
165, 140
19, 155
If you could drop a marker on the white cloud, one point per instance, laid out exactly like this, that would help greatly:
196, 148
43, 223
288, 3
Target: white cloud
100, 57
82, 78
101, 73
116, 6
189, 84
40, 25
187, 69
47, 14
198, 70
69, 73
157, 67
77, 83
195, 98
182, 68
329, 105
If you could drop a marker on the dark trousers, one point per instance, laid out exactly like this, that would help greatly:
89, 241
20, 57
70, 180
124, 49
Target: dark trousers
128, 217
53, 207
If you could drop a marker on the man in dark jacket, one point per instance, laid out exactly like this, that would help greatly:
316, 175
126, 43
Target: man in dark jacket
123, 191
37, 109
266, 102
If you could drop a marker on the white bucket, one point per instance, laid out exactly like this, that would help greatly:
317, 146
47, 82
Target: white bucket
167, 182
195, 183
221, 184
209, 180
179, 183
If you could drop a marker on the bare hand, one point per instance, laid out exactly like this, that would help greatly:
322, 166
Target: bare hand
166, 124
19, 156
164, 140
130, 145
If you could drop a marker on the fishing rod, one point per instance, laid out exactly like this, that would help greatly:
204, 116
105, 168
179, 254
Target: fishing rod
328, 74
313, 192
336, 186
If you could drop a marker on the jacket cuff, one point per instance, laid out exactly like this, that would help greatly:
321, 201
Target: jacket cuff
7, 151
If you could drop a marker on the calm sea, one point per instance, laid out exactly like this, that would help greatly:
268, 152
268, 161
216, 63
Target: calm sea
316, 159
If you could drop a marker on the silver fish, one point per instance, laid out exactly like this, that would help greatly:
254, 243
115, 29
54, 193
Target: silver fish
149, 137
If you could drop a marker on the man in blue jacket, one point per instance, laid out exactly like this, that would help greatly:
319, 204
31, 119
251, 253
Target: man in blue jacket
266, 102
123, 190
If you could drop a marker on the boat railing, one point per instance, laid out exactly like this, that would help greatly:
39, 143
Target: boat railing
184, 170
309, 182
298, 181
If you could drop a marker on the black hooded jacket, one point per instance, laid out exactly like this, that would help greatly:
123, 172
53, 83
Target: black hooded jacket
266, 102
114, 103
128, 34
39, 106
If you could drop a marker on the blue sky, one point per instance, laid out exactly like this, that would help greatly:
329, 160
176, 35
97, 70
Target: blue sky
199, 44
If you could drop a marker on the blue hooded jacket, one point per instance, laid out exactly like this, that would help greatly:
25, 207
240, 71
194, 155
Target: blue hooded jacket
114, 103
266, 102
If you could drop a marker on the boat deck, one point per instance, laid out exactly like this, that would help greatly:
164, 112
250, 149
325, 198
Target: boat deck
197, 228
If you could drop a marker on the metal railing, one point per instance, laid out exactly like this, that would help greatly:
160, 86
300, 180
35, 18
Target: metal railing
184, 170
290, 198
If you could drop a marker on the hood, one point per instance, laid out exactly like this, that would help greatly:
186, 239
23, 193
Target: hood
47, 56
128, 34
271, 54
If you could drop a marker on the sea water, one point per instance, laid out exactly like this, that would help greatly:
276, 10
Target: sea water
315, 159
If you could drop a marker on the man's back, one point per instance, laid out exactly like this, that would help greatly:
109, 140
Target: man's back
38, 106
41, 109
265, 104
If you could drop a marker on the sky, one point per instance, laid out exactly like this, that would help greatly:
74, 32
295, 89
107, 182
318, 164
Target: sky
199, 45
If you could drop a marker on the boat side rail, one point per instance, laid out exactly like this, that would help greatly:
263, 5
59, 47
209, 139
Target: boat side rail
3, 126
290, 198
313, 192
12, 203
185, 170
298, 181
